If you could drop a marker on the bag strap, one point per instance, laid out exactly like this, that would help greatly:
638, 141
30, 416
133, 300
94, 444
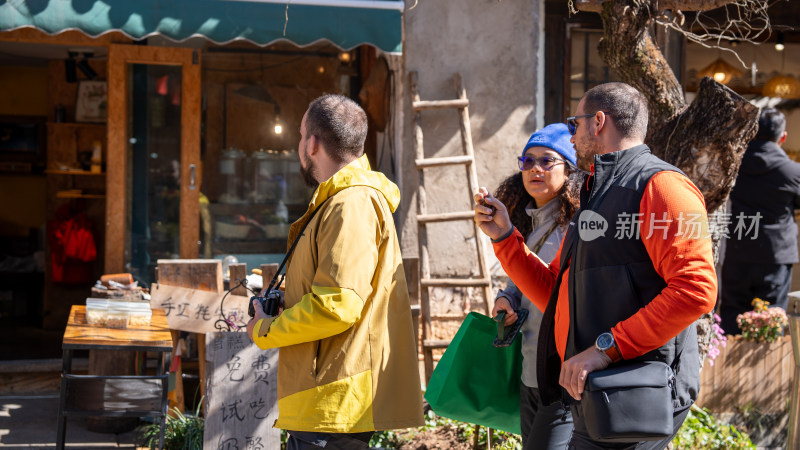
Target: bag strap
540, 243
677, 360
291, 249
548, 362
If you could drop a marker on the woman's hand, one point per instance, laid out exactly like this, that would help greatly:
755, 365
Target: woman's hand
494, 223
502, 304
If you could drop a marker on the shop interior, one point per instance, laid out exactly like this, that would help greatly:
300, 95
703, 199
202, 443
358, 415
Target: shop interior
53, 139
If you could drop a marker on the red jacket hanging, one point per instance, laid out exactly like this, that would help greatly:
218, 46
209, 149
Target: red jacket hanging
72, 250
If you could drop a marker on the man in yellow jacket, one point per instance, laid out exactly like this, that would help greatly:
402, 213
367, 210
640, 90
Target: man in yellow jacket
348, 360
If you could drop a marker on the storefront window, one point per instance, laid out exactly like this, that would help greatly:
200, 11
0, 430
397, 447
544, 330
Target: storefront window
587, 68
253, 102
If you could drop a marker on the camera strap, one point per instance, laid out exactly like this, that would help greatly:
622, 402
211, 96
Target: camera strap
274, 280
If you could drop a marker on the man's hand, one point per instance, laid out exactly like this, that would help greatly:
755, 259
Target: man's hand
494, 223
575, 370
502, 304
260, 314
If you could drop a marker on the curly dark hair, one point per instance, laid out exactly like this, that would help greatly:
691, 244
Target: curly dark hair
513, 194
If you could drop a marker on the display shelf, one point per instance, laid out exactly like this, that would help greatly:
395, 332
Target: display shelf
76, 125
72, 172
66, 194
295, 209
270, 245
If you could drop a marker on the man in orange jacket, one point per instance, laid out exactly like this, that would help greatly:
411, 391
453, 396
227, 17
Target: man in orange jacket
635, 269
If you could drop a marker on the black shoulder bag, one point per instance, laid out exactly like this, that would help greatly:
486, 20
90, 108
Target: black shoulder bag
630, 401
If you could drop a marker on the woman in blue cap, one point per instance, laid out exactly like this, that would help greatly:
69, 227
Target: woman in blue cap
540, 202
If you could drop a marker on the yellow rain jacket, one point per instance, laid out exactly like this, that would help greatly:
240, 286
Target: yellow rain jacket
348, 359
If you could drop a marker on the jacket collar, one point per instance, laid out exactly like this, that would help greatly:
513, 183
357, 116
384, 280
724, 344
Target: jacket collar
608, 165
543, 214
357, 173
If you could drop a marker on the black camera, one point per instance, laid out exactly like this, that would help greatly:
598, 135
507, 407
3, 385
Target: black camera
270, 303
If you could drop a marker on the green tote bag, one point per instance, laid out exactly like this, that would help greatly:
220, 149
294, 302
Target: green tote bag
476, 382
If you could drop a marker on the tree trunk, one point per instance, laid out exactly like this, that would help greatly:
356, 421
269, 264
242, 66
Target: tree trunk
705, 140
628, 47
708, 139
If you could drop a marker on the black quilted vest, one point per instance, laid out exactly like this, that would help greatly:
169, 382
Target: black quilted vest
611, 275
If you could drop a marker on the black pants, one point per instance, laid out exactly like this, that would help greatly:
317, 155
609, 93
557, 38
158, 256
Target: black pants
742, 282
581, 440
309, 440
543, 427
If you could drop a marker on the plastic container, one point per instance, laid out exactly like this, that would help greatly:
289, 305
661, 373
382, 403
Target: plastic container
96, 311
118, 313
232, 164
267, 182
139, 314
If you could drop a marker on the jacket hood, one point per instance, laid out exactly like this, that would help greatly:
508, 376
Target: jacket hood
357, 173
761, 157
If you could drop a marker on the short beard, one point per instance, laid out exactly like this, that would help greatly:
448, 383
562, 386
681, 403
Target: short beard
585, 161
585, 158
308, 174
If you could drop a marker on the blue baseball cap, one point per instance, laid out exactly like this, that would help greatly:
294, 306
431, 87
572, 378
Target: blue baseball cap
555, 137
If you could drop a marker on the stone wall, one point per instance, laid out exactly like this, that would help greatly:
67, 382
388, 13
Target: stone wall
495, 46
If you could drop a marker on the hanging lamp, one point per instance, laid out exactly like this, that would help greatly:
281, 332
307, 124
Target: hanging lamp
782, 86
720, 71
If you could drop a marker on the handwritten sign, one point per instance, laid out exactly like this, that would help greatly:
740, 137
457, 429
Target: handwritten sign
241, 394
199, 311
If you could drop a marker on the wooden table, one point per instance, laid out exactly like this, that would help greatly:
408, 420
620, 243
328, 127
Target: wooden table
114, 395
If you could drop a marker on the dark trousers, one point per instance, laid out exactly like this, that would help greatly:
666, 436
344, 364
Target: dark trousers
309, 440
581, 440
543, 427
742, 282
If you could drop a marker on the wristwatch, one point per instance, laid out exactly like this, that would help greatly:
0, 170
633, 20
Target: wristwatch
606, 344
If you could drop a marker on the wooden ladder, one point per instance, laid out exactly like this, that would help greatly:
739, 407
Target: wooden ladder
423, 218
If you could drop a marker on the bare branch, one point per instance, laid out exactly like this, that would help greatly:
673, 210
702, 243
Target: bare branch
730, 20
744, 21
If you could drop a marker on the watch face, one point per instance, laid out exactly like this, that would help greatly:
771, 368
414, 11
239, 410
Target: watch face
605, 341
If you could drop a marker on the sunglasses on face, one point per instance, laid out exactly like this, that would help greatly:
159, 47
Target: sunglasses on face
545, 163
572, 121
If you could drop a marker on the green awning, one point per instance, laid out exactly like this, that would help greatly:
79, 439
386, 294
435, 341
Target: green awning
345, 23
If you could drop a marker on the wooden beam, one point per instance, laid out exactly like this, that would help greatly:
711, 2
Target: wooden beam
439, 104
681, 5
443, 161
445, 217
74, 38
455, 282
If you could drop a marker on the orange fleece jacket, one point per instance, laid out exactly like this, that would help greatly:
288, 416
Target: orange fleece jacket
674, 230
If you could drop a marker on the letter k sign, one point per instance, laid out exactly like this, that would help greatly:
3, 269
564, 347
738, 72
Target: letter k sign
591, 225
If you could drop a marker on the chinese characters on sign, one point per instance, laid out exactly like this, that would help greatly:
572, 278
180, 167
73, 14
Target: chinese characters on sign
241, 395
199, 311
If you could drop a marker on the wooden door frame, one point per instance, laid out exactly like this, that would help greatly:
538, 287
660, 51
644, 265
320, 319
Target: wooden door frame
119, 56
